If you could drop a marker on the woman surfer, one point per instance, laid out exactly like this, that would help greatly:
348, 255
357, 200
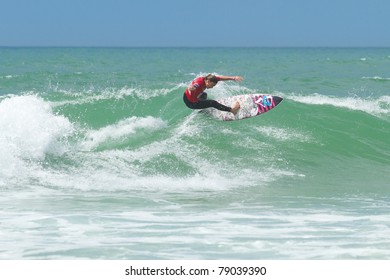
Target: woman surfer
195, 97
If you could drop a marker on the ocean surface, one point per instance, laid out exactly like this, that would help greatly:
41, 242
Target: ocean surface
100, 158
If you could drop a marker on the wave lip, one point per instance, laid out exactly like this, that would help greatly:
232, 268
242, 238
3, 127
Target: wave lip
29, 131
123, 128
91, 96
29, 124
376, 78
373, 106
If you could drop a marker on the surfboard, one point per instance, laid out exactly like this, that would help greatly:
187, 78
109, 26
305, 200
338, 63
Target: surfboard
251, 105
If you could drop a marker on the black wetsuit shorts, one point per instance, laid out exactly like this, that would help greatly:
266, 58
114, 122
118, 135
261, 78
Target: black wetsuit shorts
205, 103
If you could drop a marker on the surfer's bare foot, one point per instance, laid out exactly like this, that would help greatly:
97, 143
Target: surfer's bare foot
236, 107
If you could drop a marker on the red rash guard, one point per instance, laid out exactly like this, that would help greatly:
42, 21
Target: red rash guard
200, 85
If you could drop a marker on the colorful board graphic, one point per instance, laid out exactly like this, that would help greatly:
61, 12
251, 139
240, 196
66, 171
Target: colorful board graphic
251, 105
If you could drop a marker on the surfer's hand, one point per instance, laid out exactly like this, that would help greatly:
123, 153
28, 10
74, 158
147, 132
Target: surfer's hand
238, 78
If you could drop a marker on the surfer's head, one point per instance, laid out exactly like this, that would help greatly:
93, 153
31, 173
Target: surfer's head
210, 80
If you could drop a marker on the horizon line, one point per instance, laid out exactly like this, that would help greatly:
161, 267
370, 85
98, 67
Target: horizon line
183, 47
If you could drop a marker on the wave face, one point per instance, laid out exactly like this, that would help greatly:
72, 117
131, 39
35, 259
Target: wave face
98, 149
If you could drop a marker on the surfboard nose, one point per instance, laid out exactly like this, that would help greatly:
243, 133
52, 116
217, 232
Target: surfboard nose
277, 100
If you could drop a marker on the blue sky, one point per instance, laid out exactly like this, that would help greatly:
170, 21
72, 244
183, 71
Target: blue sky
202, 23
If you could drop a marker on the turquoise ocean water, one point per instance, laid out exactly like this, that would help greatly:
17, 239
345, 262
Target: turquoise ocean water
100, 158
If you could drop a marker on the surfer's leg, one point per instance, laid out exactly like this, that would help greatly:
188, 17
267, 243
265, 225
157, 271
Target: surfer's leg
203, 96
219, 106
212, 103
207, 103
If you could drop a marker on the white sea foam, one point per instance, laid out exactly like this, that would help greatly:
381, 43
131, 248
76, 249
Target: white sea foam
282, 134
93, 95
138, 169
8, 76
123, 128
380, 106
29, 131
376, 78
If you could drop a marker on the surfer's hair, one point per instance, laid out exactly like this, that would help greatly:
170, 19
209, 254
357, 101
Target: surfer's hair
211, 78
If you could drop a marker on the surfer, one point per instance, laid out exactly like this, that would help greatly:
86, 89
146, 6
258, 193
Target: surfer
195, 98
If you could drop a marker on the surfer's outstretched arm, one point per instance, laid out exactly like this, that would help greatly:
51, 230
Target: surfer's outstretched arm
231, 78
